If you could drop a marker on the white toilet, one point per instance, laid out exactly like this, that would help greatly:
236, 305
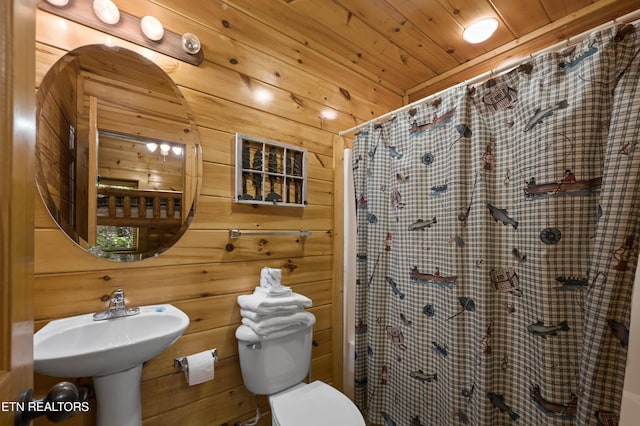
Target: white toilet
275, 365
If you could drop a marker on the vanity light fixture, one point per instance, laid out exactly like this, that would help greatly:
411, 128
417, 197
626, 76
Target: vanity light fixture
165, 148
58, 3
152, 28
106, 11
104, 16
480, 30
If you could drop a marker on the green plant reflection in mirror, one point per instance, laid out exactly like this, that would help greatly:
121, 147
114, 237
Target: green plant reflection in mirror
117, 153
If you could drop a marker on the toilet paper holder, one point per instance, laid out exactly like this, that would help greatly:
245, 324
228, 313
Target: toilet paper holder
182, 363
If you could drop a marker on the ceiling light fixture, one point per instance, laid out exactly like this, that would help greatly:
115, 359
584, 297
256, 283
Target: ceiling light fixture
152, 146
106, 11
480, 30
152, 28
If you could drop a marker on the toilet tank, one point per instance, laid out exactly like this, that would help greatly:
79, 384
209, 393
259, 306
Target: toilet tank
276, 362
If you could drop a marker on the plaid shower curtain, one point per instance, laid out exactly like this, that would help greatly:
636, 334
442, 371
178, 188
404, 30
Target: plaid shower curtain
498, 233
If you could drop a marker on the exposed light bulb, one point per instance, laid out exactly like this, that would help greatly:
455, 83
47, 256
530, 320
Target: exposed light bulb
106, 11
165, 148
190, 43
152, 146
152, 28
480, 30
58, 3
177, 150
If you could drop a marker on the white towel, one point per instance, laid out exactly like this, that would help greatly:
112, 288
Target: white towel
279, 311
270, 277
273, 291
279, 323
265, 305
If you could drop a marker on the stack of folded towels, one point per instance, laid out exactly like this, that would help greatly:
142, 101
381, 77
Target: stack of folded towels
273, 307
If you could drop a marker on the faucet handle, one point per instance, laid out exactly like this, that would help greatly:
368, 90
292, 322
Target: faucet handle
117, 298
117, 307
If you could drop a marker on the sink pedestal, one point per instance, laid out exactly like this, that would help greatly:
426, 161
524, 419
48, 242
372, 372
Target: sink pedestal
118, 398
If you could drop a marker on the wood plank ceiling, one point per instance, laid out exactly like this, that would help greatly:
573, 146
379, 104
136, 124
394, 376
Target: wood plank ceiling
415, 47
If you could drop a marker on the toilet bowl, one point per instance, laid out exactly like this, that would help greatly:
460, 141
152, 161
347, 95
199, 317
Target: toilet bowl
314, 404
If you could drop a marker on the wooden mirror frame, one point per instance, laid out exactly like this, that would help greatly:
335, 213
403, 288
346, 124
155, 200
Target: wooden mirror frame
98, 89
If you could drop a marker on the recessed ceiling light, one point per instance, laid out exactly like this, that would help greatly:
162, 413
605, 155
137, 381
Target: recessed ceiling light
480, 30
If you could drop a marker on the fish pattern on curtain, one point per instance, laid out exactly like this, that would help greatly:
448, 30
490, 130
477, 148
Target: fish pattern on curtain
498, 232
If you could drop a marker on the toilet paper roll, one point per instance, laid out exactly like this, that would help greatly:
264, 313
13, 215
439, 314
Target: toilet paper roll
270, 277
199, 368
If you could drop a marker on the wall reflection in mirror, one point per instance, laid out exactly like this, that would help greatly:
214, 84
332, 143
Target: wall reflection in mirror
117, 153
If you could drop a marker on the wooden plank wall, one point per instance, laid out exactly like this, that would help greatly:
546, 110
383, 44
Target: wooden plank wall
199, 275
57, 116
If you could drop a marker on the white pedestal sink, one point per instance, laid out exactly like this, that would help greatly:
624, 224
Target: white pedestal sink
112, 352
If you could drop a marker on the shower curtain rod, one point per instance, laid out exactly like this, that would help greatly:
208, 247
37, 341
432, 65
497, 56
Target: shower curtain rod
625, 19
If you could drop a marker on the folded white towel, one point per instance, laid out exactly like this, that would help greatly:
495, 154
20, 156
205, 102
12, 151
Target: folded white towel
270, 277
285, 310
265, 305
273, 291
272, 310
279, 323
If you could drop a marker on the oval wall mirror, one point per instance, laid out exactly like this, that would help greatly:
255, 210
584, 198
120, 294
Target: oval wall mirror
117, 153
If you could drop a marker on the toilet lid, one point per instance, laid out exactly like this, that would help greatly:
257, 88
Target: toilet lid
316, 404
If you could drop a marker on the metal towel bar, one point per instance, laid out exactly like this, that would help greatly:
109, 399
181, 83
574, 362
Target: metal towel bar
236, 233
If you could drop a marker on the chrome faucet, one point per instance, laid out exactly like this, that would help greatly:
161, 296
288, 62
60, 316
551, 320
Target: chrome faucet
117, 308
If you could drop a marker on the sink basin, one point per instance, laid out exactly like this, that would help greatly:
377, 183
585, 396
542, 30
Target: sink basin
81, 347
111, 352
